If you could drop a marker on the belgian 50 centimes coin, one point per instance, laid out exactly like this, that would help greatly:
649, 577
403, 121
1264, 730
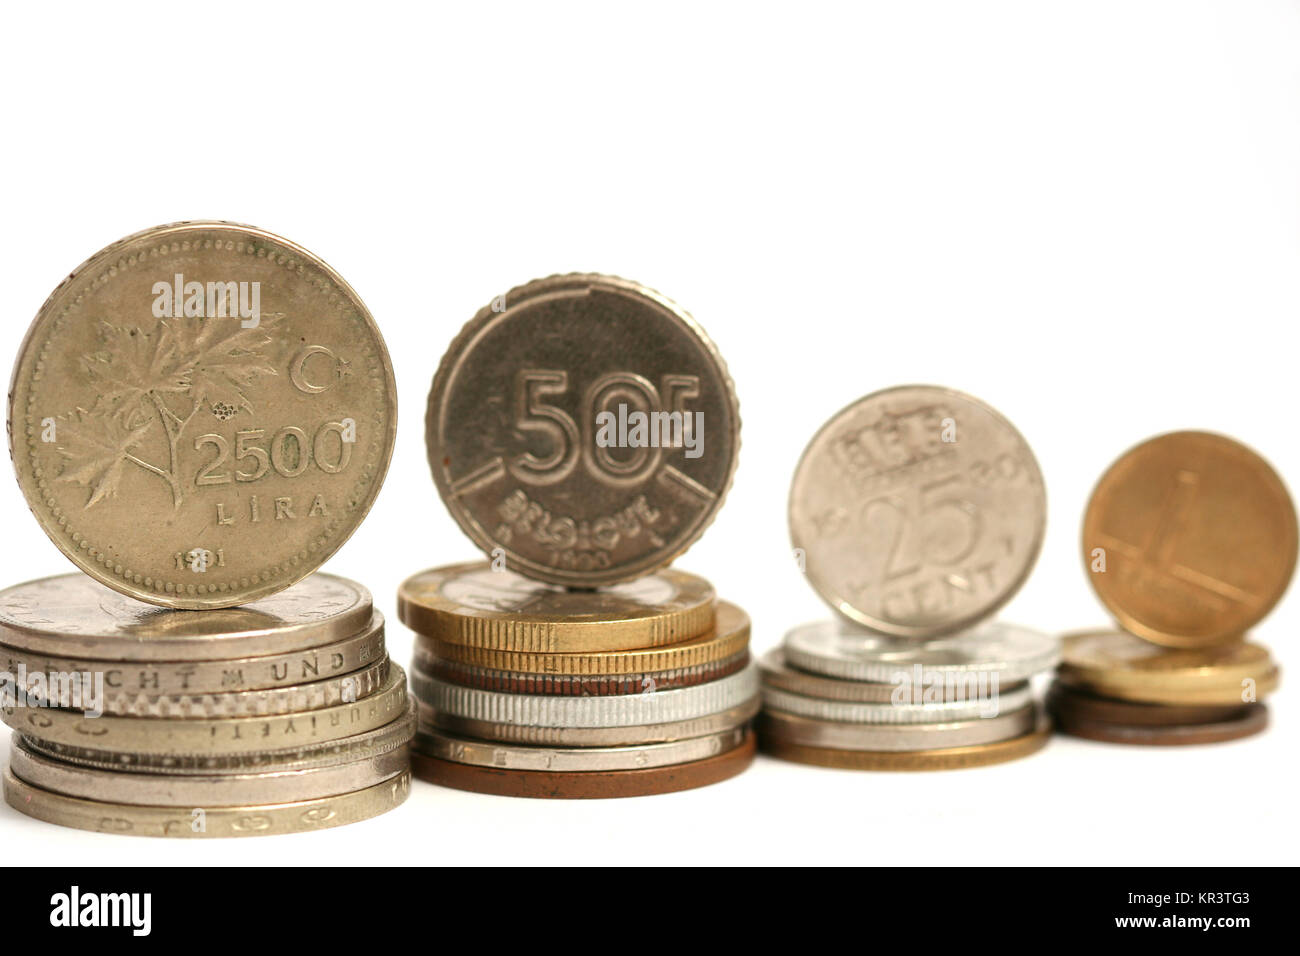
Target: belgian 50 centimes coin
71, 616
201, 414
918, 511
586, 427
1190, 539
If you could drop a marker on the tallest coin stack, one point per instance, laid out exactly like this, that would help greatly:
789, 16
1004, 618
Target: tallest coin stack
583, 431
200, 415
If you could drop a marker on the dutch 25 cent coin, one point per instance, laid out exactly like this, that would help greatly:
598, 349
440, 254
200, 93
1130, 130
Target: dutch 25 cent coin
1190, 539
201, 414
918, 511
583, 427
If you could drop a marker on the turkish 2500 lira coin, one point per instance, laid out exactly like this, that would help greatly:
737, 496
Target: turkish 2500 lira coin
918, 511
584, 428
201, 414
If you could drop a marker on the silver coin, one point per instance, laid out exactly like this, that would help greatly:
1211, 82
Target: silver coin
994, 648
481, 753
918, 511
207, 790
915, 711
808, 732
777, 673
637, 735
538, 710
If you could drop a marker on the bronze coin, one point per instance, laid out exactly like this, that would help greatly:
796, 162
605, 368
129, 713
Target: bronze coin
1249, 722
567, 685
1070, 702
570, 785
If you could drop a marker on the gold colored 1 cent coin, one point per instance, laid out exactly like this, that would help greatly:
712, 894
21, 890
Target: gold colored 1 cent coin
1117, 664
201, 414
1190, 539
585, 427
473, 605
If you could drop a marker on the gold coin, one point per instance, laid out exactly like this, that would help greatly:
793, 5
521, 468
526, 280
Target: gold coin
951, 758
728, 637
201, 822
1117, 664
474, 605
72, 616
201, 414
1190, 539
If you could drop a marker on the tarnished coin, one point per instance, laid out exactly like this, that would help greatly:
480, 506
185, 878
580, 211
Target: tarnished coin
917, 510
566, 685
577, 785
777, 673
728, 636
947, 758
1073, 702
72, 616
993, 650
261, 820
201, 414
1244, 723
585, 428
149, 681
1117, 664
499, 610
206, 790
1190, 539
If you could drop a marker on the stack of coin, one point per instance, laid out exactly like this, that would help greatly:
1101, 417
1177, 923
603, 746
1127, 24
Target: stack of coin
200, 415
916, 513
583, 431
1190, 539
279, 716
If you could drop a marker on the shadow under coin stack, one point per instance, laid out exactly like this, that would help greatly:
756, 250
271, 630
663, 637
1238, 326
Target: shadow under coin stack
1190, 540
198, 451
917, 511
576, 664
280, 716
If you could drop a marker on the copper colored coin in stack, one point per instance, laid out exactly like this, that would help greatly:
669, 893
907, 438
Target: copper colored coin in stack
1189, 539
283, 715
528, 689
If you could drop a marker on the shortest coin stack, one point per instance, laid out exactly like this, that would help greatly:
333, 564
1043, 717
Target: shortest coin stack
1116, 687
526, 689
280, 716
836, 696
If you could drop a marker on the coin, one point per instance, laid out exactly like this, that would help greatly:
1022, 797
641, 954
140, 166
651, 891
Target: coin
793, 729
1246, 723
631, 736
517, 682
221, 790
951, 758
1066, 701
363, 745
503, 611
482, 753
1190, 539
728, 636
913, 707
993, 650
155, 678
201, 414
213, 735
260, 820
917, 510
583, 427
661, 706
579, 785
72, 616
1116, 664
777, 673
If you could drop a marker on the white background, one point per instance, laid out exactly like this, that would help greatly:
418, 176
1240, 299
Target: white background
1084, 213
